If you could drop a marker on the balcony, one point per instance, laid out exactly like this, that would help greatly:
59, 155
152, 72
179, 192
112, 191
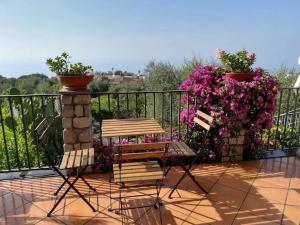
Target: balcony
264, 190
251, 192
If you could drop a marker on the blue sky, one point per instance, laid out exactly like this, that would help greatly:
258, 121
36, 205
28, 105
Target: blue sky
126, 34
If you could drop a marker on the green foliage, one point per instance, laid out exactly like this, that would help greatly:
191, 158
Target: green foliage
29, 84
284, 137
128, 87
241, 61
98, 86
287, 76
162, 76
61, 65
189, 66
17, 139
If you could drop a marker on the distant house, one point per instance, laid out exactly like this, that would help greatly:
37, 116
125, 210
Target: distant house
119, 76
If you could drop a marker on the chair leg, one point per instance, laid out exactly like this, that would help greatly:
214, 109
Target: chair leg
193, 179
58, 190
168, 170
176, 185
71, 185
64, 194
84, 180
158, 201
186, 173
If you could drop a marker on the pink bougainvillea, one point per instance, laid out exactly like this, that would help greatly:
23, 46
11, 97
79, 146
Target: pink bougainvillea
232, 103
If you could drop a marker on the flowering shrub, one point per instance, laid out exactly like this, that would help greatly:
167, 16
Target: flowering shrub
239, 62
104, 153
235, 105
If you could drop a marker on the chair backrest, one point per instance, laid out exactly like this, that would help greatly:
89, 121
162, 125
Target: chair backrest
141, 151
203, 120
43, 132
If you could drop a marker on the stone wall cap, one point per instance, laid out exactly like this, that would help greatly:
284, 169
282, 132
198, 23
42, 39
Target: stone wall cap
78, 92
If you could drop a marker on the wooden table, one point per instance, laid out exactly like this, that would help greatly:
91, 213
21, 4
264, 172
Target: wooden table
130, 127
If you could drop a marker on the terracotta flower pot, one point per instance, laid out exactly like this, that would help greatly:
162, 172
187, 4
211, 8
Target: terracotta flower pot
74, 83
240, 76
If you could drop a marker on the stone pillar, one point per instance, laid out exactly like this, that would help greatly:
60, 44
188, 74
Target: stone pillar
77, 119
235, 149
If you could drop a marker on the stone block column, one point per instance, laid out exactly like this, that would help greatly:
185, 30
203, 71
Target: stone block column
77, 119
235, 149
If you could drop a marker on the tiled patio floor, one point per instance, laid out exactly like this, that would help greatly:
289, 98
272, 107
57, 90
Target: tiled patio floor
253, 192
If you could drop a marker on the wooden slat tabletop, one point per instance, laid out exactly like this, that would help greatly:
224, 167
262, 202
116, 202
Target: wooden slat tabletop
130, 127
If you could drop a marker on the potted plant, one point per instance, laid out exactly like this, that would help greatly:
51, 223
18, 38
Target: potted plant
238, 65
72, 76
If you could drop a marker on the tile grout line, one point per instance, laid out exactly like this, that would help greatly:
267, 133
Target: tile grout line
286, 197
247, 193
231, 188
207, 193
32, 202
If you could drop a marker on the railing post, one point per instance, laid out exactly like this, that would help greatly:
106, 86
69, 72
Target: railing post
77, 119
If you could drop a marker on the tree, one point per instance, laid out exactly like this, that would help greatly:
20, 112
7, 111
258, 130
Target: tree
287, 76
98, 86
162, 76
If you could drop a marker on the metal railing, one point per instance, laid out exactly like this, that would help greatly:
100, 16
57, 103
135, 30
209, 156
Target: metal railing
19, 114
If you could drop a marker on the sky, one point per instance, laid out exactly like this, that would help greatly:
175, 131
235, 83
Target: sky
127, 34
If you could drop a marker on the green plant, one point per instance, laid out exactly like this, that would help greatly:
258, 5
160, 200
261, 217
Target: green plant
239, 62
61, 65
284, 137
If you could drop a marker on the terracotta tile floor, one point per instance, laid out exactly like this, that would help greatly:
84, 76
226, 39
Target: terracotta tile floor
253, 192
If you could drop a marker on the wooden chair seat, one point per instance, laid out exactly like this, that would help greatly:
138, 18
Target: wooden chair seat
180, 149
77, 158
138, 171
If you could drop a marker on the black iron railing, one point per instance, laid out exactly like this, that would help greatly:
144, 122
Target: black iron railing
19, 114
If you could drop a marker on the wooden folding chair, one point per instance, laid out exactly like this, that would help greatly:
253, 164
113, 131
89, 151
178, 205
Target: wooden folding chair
179, 151
139, 174
75, 161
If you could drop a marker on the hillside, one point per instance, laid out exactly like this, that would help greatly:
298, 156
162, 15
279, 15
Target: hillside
29, 84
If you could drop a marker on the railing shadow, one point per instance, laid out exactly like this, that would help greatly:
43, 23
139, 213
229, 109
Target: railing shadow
188, 206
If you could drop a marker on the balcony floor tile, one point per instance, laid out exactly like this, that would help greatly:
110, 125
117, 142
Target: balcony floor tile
251, 192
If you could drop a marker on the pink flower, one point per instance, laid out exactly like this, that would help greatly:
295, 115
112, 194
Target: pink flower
218, 53
249, 55
211, 155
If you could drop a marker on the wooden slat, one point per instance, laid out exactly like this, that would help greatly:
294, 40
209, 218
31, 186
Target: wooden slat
71, 160
177, 149
91, 156
41, 126
141, 174
129, 175
64, 161
134, 164
118, 124
84, 158
137, 166
205, 116
191, 152
130, 127
142, 146
180, 149
78, 158
45, 135
142, 155
201, 123
129, 169
110, 121
131, 133
137, 179
140, 170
